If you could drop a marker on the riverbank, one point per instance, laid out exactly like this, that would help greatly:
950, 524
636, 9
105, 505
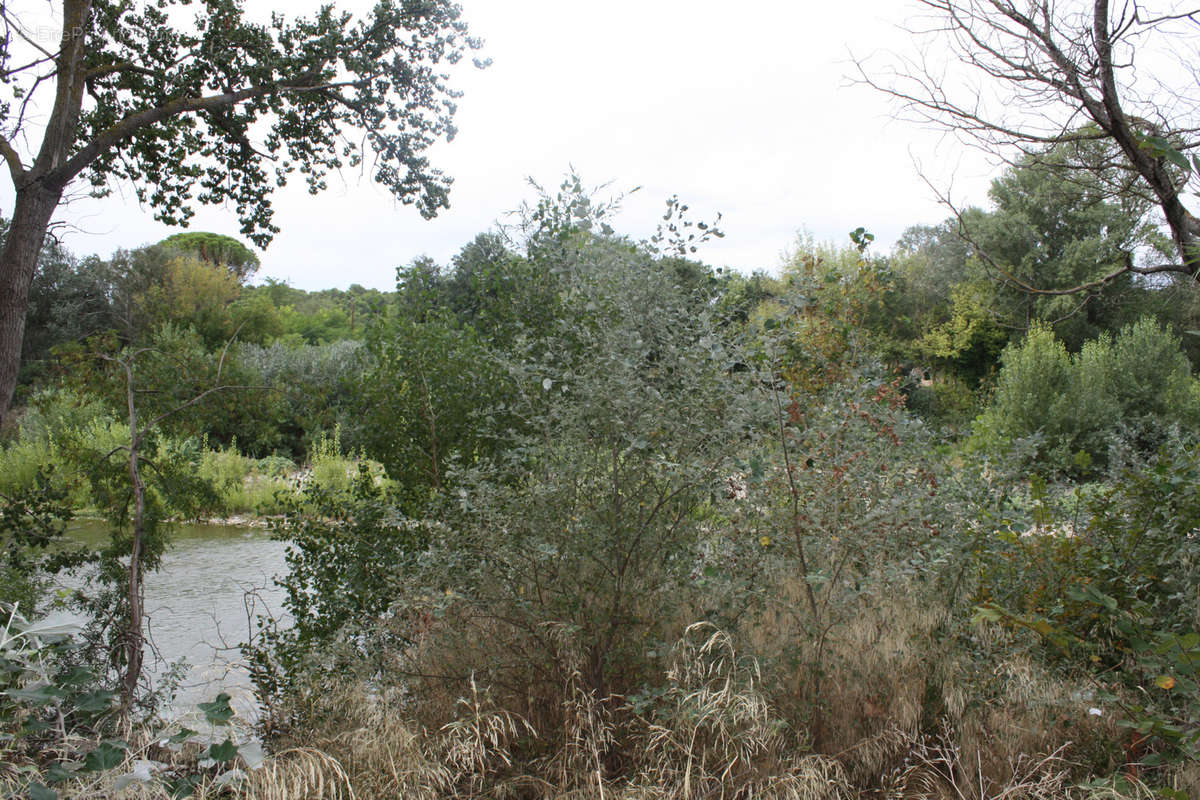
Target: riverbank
68, 459
215, 581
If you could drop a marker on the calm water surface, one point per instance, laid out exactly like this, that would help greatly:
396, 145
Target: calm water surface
202, 602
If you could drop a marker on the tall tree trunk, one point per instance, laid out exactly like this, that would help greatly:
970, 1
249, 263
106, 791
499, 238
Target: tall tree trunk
39, 190
18, 260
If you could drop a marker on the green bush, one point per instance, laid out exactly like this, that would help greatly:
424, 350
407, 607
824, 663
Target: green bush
1029, 397
33, 545
347, 551
312, 390
1108, 579
20, 463
1126, 390
58, 423
245, 485
949, 401
226, 469
580, 534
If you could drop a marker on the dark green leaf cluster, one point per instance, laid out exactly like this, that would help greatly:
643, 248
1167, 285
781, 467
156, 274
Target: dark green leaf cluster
48, 707
1110, 586
33, 543
347, 552
225, 109
217, 249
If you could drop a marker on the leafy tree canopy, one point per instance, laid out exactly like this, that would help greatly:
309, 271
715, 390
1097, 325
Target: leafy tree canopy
218, 110
215, 248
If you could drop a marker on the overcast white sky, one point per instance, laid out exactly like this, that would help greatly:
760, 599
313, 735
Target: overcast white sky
739, 108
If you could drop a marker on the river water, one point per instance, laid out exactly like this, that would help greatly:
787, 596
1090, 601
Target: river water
202, 602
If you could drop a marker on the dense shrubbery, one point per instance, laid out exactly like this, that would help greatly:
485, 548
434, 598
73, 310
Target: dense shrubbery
647, 465
578, 515
1123, 393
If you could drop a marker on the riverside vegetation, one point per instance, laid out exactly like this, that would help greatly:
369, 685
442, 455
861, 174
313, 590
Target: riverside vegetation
580, 516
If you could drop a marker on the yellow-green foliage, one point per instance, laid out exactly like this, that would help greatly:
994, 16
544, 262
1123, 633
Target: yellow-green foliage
331, 471
56, 437
64, 434
245, 485
20, 462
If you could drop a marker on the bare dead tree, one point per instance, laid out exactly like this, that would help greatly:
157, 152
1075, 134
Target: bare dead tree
1024, 76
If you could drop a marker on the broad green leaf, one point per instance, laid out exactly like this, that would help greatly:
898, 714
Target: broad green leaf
58, 773
223, 752
35, 726
40, 696
217, 712
182, 736
39, 792
1178, 159
183, 787
104, 757
80, 676
986, 613
97, 701
58, 624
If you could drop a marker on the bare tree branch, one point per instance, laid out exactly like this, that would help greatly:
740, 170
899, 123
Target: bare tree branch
1041, 73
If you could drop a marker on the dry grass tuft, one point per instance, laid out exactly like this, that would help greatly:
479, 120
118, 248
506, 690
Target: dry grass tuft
718, 737
473, 750
936, 769
587, 736
1186, 779
383, 754
714, 726
1030, 710
300, 773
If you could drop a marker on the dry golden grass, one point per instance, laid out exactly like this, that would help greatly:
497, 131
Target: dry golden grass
936, 769
299, 774
721, 728
894, 670
721, 725
719, 737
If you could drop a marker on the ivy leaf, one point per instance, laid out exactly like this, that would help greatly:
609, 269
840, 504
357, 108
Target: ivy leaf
223, 752
97, 701
39, 792
218, 712
104, 757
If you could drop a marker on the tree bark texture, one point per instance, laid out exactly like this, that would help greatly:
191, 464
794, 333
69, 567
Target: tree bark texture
18, 260
39, 189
